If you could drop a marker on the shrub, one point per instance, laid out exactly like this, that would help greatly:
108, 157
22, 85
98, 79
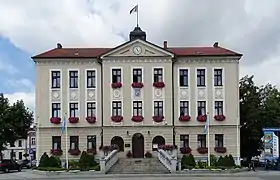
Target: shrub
231, 161
188, 161
213, 160
129, 154
148, 154
44, 160
201, 165
86, 161
221, 161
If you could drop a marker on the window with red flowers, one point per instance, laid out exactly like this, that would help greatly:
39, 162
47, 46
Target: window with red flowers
184, 108
201, 108
56, 110
184, 140
56, 142
91, 142
74, 142
91, 109
137, 108
116, 75
158, 75
158, 108
201, 140
219, 140
219, 107
74, 109
137, 75
116, 108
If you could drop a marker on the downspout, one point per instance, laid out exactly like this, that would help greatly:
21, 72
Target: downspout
173, 105
101, 94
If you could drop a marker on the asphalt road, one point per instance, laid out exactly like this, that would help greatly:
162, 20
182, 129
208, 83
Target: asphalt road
259, 175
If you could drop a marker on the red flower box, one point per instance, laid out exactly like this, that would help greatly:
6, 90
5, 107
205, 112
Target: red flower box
202, 150
201, 118
55, 120
167, 147
184, 118
73, 120
220, 117
158, 118
137, 85
91, 119
137, 118
220, 149
117, 119
116, 85
185, 150
159, 84
56, 152
129, 154
74, 152
91, 151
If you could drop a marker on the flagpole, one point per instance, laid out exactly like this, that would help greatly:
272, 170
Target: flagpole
137, 16
208, 139
66, 142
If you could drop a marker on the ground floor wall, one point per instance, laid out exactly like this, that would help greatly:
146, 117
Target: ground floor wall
147, 135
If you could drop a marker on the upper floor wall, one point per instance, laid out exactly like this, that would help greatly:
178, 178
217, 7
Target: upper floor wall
65, 87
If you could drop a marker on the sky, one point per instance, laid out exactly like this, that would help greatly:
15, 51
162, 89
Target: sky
29, 27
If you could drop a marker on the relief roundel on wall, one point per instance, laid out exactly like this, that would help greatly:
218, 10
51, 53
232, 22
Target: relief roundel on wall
158, 92
116, 93
55, 95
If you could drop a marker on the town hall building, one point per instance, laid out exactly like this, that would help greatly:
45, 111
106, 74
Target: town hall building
137, 95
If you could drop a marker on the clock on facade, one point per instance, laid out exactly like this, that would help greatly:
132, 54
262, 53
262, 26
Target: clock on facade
137, 50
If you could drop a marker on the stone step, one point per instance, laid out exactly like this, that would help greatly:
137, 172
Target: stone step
138, 166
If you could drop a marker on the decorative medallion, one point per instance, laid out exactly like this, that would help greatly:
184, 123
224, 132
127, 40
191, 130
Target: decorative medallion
158, 92
56, 95
137, 92
218, 93
73, 95
91, 94
116, 93
184, 93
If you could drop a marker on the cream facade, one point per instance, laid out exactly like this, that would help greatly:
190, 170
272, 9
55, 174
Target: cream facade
87, 83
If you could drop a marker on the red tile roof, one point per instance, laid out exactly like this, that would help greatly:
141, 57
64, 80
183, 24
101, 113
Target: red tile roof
96, 52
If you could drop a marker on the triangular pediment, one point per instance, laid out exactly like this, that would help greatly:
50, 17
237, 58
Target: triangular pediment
137, 48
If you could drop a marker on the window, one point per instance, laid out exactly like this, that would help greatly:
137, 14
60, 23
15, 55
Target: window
74, 142
117, 108
56, 142
219, 140
91, 109
218, 107
184, 139
19, 143
201, 108
137, 75
218, 77
73, 79
91, 79
33, 141
56, 109
73, 109
158, 75
183, 73
184, 108
137, 108
158, 108
91, 142
200, 77
20, 155
116, 75
201, 140
55, 79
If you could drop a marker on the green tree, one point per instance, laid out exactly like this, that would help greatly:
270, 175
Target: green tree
15, 121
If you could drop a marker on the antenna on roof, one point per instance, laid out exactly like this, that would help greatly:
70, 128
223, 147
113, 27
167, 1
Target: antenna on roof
58, 46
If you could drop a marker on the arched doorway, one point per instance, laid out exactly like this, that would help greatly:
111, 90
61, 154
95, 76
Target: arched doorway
117, 140
157, 141
138, 145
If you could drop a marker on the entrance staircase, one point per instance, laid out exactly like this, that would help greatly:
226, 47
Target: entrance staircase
138, 166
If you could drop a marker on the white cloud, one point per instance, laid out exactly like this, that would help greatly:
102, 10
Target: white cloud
8, 68
28, 99
248, 26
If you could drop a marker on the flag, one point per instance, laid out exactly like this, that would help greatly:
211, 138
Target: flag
63, 125
135, 9
206, 124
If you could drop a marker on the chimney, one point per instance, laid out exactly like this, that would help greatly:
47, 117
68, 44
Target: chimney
165, 44
59, 46
216, 44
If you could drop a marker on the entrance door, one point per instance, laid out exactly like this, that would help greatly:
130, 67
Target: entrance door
138, 145
157, 141
117, 140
